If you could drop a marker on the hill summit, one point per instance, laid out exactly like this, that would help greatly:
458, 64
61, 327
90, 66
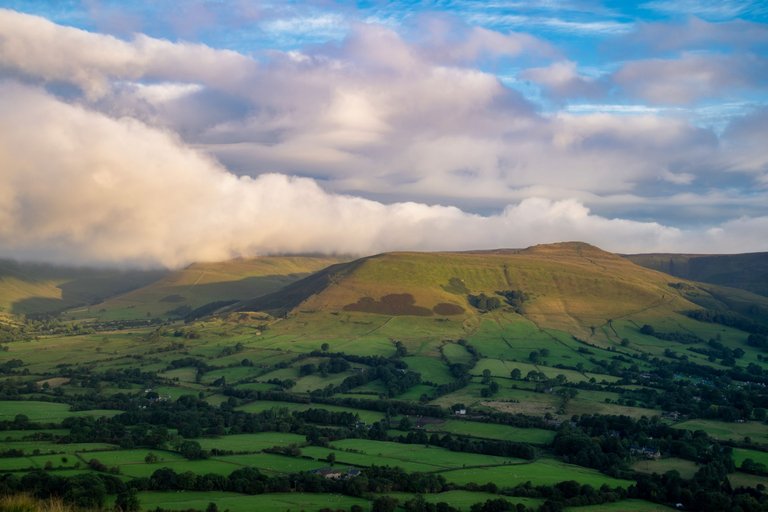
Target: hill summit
569, 285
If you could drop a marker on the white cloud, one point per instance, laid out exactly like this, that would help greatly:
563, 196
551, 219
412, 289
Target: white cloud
79, 186
138, 169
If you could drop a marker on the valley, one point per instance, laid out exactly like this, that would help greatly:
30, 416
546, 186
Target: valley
557, 377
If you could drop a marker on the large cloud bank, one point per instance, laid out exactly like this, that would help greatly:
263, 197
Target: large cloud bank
151, 152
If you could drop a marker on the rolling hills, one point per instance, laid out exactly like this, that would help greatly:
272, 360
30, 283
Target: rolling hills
35, 288
198, 284
558, 375
573, 286
746, 271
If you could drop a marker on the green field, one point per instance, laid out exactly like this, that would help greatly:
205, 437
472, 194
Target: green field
411, 457
758, 432
540, 472
493, 431
273, 502
686, 468
740, 455
739, 479
463, 500
623, 506
250, 443
44, 412
366, 416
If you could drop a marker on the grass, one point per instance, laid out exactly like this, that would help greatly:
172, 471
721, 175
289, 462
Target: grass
740, 455
540, 472
272, 463
686, 468
251, 443
411, 457
273, 502
721, 430
26, 503
430, 368
463, 500
259, 406
202, 283
623, 506
493, 431
44, 412
739, 479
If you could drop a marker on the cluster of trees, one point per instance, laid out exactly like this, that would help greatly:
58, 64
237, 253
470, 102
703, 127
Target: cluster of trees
483, 302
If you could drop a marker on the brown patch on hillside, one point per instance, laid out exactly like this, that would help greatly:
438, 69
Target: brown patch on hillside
393, 304
447, 309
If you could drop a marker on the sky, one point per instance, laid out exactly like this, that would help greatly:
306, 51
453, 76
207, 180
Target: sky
158, 133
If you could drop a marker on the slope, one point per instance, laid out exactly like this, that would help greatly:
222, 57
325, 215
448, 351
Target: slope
569, 286
33, 289
181, 291
746, 271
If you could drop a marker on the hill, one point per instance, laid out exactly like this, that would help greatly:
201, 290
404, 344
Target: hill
180, 292
570, 286
745, 271
34, 289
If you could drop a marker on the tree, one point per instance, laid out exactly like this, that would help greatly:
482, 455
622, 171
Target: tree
325, 347
384, 504
331, 458
516, 374
127, 501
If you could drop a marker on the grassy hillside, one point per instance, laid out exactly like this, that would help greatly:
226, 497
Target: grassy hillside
533, 376
746, 271
29, 288
569, 286
203, 283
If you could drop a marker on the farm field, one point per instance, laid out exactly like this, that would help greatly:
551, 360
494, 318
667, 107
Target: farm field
493, 431
367, 416
272, 502
623, 506
758, 432
44, 412
250, 443
740, 455
540, 472
686, 468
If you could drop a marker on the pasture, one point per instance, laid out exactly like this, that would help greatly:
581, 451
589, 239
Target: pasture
686, 468
44, 412
540, 472
758, 432
272, 502
493, 431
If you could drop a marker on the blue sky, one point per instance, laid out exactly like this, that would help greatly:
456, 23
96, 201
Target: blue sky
638, 126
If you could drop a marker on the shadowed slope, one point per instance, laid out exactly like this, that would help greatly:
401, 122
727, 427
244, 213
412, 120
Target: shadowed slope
203, 283
33, 288
745, 271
